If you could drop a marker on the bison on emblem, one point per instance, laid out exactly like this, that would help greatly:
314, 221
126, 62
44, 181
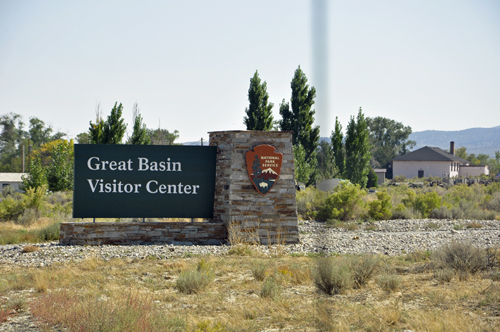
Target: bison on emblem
264, 166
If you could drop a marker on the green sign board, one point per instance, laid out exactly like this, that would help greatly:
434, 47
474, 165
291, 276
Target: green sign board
144, 181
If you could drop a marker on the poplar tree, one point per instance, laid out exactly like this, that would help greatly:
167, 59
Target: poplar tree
110, 131
337, 142
357, 150
115, 127
300, 119
96, 130
140, 134
259, 112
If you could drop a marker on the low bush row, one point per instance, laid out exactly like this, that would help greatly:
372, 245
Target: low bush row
350, 202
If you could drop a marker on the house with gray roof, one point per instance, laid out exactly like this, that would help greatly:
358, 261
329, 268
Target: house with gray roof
11, 179
429, 161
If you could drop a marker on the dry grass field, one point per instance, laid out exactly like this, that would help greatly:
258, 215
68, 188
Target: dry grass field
249, 291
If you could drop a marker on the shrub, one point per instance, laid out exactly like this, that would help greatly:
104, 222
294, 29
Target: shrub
351, 226
270, 289
471, 210
493, 203
362, 268
425, 203
8, 191
372, 179
444, 275
259, 271
389, 281
28, 217
332, 276
49, 233
345, 203
474, 225
401, 212
13, 206
409, 200
30, 248
380, 209
462, 257
432, 225
442, 213
334, 223
309, 202
193, 281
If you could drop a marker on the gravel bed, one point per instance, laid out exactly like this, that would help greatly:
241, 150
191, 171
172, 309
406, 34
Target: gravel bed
390, 237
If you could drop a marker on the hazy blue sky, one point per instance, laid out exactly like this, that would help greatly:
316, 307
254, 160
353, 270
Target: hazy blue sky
429, 64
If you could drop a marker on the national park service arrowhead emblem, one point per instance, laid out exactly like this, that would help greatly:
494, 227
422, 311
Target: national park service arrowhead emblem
264, 167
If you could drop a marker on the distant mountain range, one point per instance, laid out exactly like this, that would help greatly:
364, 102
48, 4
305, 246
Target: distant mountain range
476, 140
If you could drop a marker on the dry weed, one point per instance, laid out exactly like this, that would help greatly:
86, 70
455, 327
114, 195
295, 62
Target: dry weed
30, 248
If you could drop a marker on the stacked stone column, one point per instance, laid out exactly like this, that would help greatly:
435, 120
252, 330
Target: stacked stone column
248, 215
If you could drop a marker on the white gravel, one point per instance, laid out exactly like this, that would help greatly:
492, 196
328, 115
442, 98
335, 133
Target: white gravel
392, 237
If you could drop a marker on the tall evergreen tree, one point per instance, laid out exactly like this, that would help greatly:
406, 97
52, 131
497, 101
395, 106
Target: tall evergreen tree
96, 130
300, 118
140, 134
110, 131
259, 112
337, 142
326, 161
115, 127
357, 150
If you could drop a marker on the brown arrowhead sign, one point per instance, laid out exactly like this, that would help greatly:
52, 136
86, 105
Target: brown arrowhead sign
264, 167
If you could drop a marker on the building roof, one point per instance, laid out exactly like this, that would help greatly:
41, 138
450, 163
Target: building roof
428, 153
11, 177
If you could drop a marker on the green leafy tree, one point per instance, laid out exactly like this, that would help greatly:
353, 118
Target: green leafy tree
115, 126
60, 171
326, 164
140, 134
163, 136
83, 138
40, 134
96, 130
357, 148
300, 118
337, 142
36, 176
372, 179
303, 170
388, 139
52, 166
495, 164
260, 111
461, 152
11, 137
110, 131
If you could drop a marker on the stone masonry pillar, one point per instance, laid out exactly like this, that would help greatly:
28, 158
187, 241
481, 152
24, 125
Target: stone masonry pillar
249, 215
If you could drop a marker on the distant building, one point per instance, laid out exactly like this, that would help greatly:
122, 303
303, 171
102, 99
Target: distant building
330, 184
380, 175
11, 179
430, 161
